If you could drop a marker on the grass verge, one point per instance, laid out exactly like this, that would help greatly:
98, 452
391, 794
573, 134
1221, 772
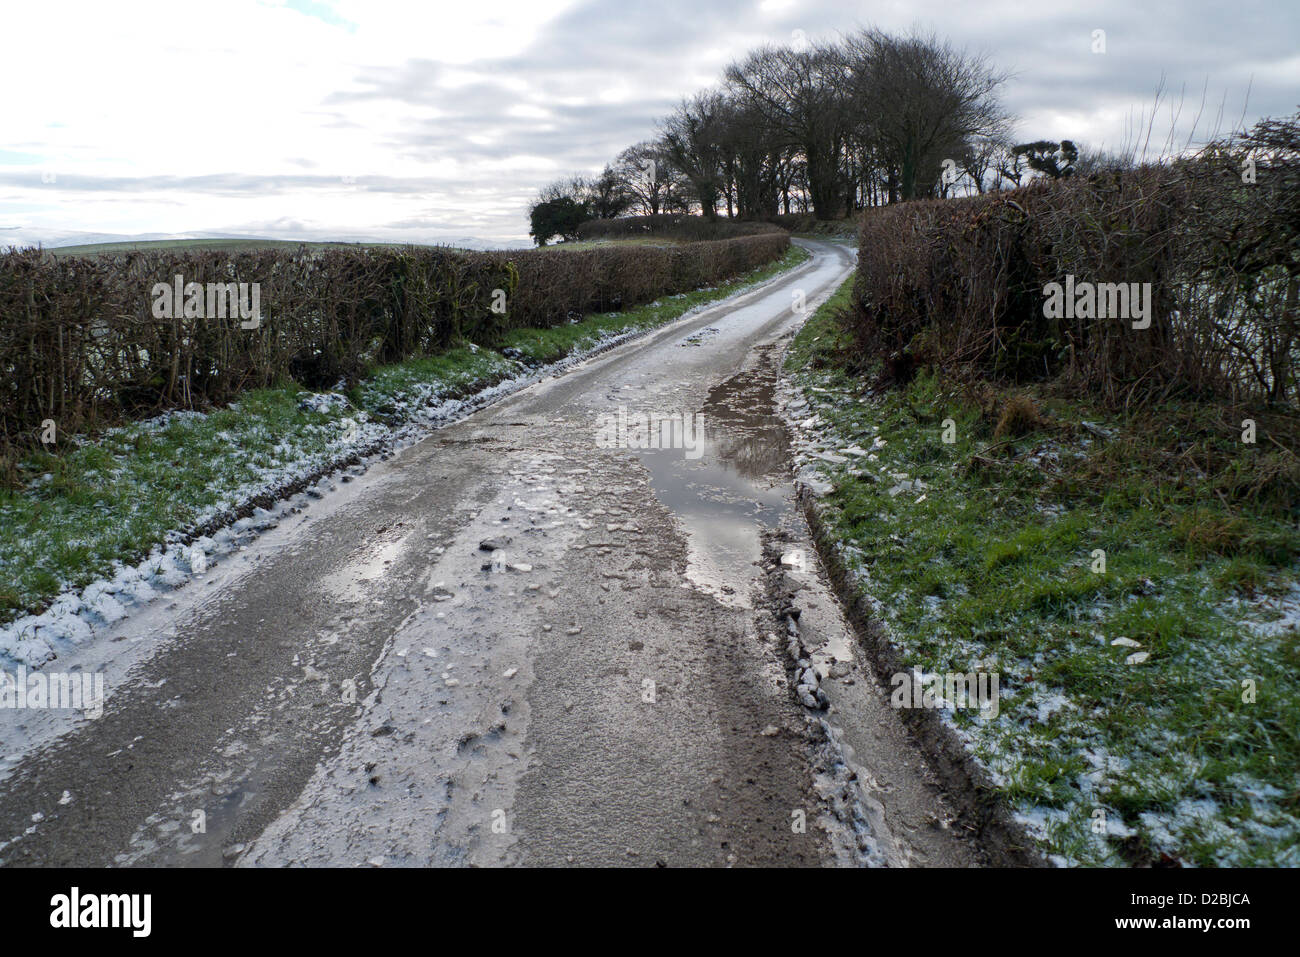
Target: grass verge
1131, 581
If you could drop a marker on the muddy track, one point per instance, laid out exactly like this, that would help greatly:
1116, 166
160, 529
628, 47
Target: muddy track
980, 808
508, 643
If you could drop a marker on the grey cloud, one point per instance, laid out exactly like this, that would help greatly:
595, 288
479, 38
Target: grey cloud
230, 184
662, 51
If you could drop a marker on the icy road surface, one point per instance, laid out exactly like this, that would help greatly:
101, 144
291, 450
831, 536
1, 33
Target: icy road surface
366, 685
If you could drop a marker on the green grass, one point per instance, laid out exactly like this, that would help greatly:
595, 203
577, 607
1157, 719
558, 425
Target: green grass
995, 566
112, 498
92, 504
581, 244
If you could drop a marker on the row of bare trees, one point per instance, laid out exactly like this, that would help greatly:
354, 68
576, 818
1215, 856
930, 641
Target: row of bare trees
824, 128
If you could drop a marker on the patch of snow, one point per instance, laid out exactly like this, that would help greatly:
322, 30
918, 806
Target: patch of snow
75, 619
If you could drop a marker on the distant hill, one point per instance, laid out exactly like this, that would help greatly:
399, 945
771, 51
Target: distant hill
77, 243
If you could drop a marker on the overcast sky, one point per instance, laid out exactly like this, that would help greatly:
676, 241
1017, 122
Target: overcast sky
428, 121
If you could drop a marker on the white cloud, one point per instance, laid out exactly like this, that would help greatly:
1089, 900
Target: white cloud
450, 114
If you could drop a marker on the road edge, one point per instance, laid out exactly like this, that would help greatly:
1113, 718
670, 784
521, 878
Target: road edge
967, 786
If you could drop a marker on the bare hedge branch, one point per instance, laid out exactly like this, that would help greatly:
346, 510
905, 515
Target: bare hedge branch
79, 343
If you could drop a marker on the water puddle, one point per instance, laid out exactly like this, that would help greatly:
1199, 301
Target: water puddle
350, 583
734, 488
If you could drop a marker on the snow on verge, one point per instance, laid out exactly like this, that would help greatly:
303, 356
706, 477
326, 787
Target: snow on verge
77, 618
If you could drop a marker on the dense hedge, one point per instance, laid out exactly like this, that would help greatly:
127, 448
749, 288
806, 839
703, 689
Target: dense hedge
810, 224
671, 226
962, 284
79, 343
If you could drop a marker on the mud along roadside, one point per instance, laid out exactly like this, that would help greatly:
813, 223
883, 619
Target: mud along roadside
978, 811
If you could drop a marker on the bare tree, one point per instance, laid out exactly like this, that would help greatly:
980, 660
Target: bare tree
607, 196
799, 94
572, 187
751, 160
830, 128
1009, 166
922, 100
647, 176
690, 136
980, 158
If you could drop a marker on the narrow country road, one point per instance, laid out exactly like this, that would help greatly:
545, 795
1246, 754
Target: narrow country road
364, 684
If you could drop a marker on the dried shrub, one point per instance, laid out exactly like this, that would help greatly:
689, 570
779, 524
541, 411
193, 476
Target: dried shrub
672, 226
1020, 416
967, 278
808, 223
1210, 533
79, 342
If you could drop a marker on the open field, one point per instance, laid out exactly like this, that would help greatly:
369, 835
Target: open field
579, 244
